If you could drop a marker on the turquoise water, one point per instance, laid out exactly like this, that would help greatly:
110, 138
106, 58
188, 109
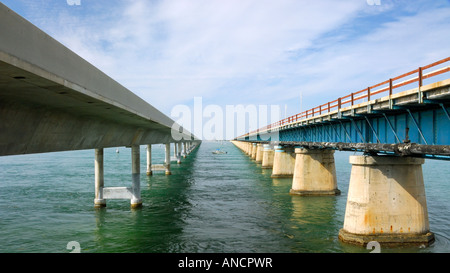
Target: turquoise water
211, 203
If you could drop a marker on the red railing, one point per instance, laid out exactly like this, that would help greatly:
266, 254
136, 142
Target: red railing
363, 94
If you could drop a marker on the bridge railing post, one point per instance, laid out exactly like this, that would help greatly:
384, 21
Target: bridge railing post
420, 95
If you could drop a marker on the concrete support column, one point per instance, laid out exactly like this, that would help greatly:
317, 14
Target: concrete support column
135, 175
283, 162
254, 147
249, 149
179, 153
314, 173
175, 150
149, 160
167, 159
386, 202
267, 160
99, 179
259, 153
184, 150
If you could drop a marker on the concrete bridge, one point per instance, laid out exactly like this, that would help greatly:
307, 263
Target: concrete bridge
53, 100
396, 130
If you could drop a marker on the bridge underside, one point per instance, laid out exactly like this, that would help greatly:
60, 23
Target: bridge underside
51, 99
40, 115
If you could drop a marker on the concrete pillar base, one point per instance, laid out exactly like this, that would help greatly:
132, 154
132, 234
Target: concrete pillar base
283, 162
254, 149
136, 205
387, 239
314, 193
314, 173
149, 173
99, 203
168, 172
386, 202
259, 153
267, 158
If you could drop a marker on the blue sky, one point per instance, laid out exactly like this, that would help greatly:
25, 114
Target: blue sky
247, 51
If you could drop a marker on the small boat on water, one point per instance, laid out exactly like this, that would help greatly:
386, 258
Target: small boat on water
218, 152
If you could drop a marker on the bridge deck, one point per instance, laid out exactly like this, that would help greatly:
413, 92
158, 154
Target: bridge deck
51, 99
410, 122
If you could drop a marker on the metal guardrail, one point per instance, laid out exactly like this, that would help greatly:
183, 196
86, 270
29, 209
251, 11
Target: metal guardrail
387, 87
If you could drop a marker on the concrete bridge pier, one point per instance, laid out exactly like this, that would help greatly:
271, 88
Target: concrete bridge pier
179, 153
254, 148
283, 162
136, 200
149, 159
259, 153
386, 202
99, 201
175, 150
184, 150
249, 149
314, 173
103, 193
267, 159
167, 159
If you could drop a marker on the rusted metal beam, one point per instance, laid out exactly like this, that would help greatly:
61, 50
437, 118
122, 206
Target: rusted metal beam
402, 149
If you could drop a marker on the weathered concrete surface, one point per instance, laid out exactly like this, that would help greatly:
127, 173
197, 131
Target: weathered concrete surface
259, 153
53, 100
254, 149
386, 201
314, 173
283, 162
268, 154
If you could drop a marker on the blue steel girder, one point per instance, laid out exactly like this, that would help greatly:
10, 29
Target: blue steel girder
427, 124
422, 124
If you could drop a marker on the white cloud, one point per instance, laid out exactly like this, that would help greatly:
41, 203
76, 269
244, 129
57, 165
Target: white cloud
182, 49
254, 51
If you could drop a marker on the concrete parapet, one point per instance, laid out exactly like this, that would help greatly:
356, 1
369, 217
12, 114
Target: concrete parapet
386, 202
314, 173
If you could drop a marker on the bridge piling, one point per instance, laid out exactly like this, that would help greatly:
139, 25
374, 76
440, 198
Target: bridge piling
386, 202
267, 159
167, 159
136, 200
283, 162
149, 160
314, 173
99, 202
254, 148
259, 153
179, 153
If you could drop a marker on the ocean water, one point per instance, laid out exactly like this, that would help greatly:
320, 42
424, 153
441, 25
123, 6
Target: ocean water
211, 204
